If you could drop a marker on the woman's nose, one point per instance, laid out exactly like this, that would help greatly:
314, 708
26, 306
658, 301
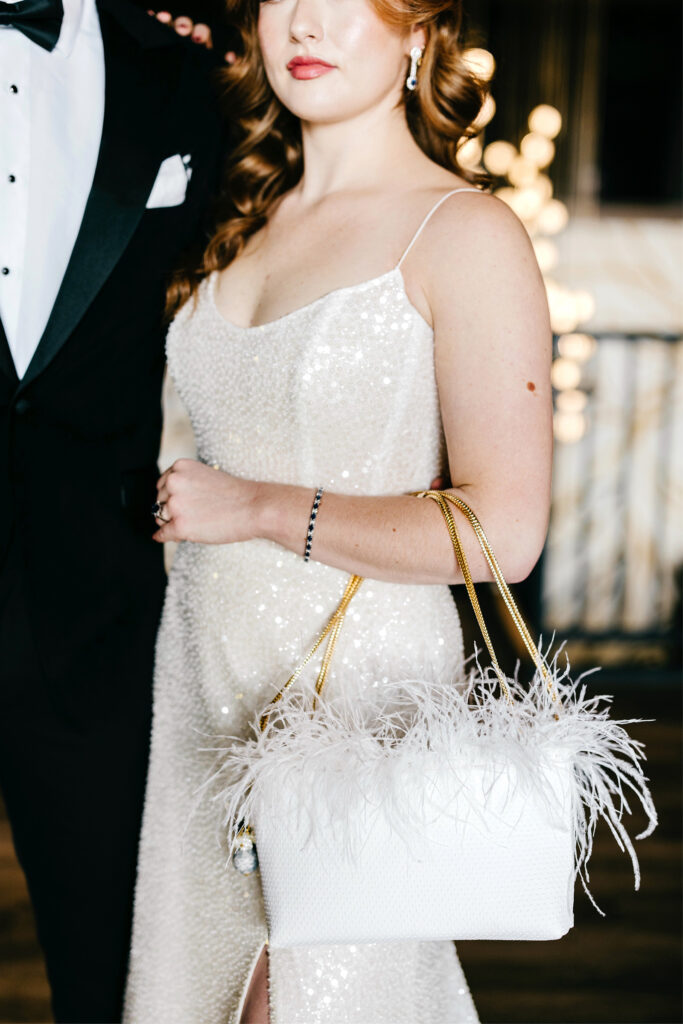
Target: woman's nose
306, 21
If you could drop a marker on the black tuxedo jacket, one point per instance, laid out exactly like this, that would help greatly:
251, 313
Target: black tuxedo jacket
80, 432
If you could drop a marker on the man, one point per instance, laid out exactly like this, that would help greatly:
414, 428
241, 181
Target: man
109, 152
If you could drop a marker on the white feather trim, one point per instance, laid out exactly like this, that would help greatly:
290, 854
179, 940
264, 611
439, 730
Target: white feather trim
345, 752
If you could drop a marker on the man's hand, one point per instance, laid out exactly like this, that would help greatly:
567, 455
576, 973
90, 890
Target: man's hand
185, 26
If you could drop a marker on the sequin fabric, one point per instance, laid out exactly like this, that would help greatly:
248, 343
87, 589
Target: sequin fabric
340, 393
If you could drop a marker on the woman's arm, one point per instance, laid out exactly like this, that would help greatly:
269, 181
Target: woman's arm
475, 274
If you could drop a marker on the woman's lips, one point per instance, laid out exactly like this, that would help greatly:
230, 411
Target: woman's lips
308, 67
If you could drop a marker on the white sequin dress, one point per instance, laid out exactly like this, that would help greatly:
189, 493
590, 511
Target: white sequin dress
341, 393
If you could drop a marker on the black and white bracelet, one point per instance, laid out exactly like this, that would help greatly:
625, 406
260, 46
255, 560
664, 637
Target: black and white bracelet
311, 523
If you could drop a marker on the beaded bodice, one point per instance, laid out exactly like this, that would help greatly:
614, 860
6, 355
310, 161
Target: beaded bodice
341, 392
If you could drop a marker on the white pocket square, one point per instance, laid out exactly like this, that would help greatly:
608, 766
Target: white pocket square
171, 182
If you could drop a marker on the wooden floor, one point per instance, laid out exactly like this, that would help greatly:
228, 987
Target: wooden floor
618, 969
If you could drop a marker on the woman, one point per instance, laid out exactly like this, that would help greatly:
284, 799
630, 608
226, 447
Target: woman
364, 320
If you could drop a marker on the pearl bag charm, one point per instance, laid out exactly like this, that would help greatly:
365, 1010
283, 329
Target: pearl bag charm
244, 857
415, 59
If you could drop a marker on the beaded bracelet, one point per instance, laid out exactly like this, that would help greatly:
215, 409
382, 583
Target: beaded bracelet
311, 523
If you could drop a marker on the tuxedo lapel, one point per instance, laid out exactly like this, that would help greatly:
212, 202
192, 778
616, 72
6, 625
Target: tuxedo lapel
130, 153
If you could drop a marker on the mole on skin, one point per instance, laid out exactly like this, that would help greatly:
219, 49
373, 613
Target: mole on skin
530, 385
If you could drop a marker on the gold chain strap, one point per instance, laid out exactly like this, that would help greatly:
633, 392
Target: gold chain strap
442, 498
333, 628
469, 584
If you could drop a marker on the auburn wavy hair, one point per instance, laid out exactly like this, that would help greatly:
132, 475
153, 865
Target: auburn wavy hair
266, 160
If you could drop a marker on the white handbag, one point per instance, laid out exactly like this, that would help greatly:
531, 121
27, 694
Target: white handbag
434, 810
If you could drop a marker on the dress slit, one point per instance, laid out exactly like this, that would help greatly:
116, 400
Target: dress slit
248, 983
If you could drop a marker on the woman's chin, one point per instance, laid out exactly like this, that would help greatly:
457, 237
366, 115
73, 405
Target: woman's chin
319, 113
321, 109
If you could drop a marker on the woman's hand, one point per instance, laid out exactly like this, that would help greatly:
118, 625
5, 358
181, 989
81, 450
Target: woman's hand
203, 504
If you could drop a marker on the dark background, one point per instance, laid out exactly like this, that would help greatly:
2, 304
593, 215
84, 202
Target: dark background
613, 68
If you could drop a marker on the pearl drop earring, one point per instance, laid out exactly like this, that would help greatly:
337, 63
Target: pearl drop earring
415, 58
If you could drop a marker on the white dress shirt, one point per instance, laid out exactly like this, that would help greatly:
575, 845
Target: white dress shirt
51, 115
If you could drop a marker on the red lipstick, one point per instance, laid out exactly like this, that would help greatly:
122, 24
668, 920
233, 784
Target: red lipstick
304, 68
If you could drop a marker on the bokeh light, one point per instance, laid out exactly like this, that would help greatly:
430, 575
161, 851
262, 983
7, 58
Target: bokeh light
526, 203
522, 172
553, 217
585, 304
546, 253
545, 120
576, 346
563, 315
543, 185
565, 374
569, 427
571, 400
498, 156
537, 148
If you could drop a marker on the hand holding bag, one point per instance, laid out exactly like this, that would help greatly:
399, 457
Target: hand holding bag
431, 810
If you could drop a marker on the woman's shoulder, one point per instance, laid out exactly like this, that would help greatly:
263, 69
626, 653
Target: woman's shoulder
464, 206
471, 248
469, 228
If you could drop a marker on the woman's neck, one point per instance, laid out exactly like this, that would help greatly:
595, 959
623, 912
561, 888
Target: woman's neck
374, 149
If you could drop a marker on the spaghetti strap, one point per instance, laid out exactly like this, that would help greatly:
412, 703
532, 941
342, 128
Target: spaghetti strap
429, 216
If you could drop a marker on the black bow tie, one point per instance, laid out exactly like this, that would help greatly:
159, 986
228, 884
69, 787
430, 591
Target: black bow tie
39, 20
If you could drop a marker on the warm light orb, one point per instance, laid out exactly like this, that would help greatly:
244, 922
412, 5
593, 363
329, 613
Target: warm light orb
506, 193
585, 304
569, 427
479, 62
579, 347
546, 253
469, 153
545, 120
565, 374
526, 203
562, 305
538, 149
543, 185
563, 318
522, 172
498, 156
553, 217
485, 114
571, 400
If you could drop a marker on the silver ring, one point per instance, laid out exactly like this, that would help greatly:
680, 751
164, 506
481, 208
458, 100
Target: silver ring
157, 509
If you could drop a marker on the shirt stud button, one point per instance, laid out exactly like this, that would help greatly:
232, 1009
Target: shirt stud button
5, 270
11, 178
14, 89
